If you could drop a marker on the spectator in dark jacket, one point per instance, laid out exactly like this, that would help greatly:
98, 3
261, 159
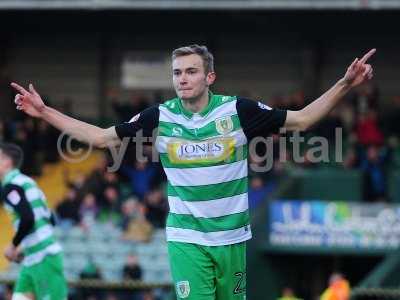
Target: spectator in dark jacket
132, 270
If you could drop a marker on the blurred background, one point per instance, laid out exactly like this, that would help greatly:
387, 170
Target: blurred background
316, 226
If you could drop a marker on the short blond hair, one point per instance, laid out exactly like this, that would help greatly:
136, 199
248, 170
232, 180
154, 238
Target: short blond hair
202, 51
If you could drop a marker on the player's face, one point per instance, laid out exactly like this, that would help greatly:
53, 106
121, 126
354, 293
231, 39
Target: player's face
189, 78
5, 164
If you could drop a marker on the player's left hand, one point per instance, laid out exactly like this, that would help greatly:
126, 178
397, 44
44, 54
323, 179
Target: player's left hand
359, 71
12, 253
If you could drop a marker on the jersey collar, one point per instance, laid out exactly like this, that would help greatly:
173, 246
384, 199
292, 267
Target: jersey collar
9, 176
211, 103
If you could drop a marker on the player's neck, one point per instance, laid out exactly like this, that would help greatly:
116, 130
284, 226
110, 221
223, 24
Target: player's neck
197, 104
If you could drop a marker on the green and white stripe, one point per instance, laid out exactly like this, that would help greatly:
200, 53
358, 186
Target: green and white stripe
209, 208
40, 241
221, 174
207, 193
218, 238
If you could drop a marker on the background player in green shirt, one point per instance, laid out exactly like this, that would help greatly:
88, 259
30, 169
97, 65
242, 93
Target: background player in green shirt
34, 246
198, 137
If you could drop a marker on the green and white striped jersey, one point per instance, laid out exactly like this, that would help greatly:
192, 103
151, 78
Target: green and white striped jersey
27, 204
204, 156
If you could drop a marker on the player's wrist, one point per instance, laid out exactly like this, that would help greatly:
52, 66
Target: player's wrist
344, 83
44, 111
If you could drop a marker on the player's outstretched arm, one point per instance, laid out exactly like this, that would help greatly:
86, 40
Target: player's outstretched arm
358, 72
30, 102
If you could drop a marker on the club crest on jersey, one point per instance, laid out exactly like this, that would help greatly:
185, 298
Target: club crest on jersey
224, 125
183, 289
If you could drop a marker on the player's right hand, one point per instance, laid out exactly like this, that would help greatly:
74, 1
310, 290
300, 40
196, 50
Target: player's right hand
359, 71
11, 253
30, 101
19, 256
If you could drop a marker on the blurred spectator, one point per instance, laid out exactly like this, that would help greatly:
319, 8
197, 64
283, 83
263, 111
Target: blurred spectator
99, 180
110, 178
109, 206
139, 229
109, 199
68, 209
156, 208
76, 182
132, 270
159, 176
88, 210
141, 176
288, 294
90, 271
373, 165
257, 191
111, 296
367, 129
339, 288
130, 211
148, 295
95, 180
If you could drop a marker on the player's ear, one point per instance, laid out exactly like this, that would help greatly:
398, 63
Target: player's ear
210, 78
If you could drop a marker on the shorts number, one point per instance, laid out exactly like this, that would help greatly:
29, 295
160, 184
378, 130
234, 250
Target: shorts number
241, 284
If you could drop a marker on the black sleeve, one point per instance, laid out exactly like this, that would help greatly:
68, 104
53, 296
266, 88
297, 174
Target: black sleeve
258, 119
146, 121
14, 196
52, 219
